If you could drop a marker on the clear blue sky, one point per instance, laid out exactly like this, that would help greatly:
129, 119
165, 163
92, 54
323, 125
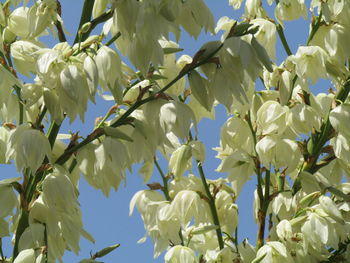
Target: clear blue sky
107, 218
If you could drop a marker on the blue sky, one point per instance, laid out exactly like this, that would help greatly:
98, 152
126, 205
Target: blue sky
107, 219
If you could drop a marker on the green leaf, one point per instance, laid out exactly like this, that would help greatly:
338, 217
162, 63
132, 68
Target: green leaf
116, 133
262, 54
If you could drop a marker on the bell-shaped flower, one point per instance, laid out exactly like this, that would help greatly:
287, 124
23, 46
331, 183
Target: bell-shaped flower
333, 38
112, 159
58, 192
22, 53
179, 254
282, 153
225, 255
190, 182
176, 117
26, 256
238, 164
31, 22
284, 230
341, 146
23, 147
273, 252
33, 236
196, 15
303, 118
310, 62
236, 134
253, 9
316, 230
187, 205
266, 35
287, 10
91, 73
57, 207
282, 205
8, 199
329, 206
109, 67
73, 92
339, 118
227, 211
271, 118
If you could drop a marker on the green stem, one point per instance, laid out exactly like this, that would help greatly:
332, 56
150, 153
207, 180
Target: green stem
98, 20
41, 117
72, 165
283, 39
165, 188
20, 102
314, 29
22, 225
262, 212
211, 205
84, 18
114, 38
181, 237
53, 132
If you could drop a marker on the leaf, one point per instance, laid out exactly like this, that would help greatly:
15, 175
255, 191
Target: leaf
116, 133
262, 54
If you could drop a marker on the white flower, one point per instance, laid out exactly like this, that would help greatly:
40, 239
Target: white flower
23, 147
22, 52
180, 254
287, 10
282, 153
302, 118
310, 62
271, 117
339, 118
26, 256
109, 69
273, 252
177, 118
187, 205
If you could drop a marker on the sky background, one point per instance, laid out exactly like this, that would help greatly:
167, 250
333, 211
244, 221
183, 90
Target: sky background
107, 219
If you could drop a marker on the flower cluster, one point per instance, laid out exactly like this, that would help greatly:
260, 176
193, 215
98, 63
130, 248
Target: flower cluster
293, 140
